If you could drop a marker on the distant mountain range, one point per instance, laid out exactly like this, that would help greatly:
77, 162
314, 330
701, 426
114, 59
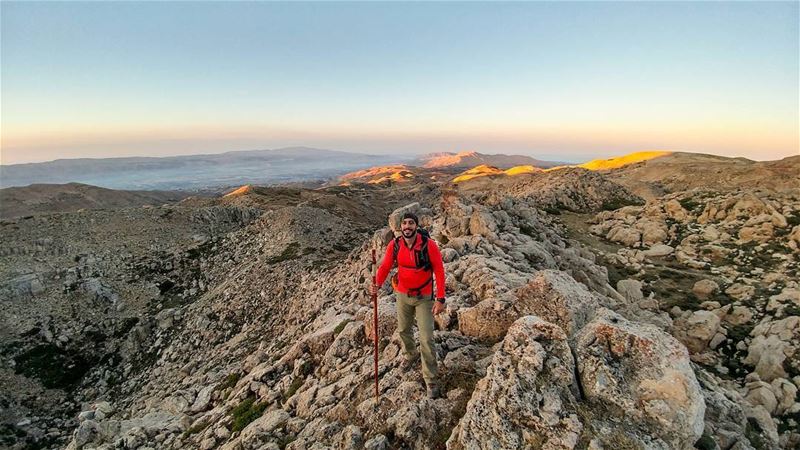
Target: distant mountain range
471, 159
200, 172
194, 171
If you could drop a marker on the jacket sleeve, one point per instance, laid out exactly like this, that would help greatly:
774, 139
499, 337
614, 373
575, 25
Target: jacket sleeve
438, 268
386, 264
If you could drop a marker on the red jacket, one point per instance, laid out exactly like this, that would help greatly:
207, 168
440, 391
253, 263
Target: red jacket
408, 276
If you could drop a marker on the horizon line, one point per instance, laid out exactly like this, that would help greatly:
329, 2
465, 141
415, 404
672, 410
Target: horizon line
399, 154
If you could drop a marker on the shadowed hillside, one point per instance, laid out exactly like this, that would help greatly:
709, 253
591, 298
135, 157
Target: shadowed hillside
50, 198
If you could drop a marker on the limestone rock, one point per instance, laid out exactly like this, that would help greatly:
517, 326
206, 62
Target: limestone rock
740, 291
488, 319
697, 330
785, 394
653, 232
625, 235
704, 289
675, 210
263, 426
659, 250
556, 297
767, 354
631, 290
551, 294
759, 393
738, 315
203, 399
643, 375
725, 420
527, 399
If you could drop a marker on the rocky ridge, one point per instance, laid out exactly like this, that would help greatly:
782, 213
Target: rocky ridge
538, 347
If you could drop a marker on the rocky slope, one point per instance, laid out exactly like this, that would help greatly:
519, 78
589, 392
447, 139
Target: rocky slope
258, 334
679, 171
721, 253
727, 265
50, 198
390, 175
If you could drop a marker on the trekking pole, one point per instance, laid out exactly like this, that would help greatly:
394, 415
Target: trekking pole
375, 322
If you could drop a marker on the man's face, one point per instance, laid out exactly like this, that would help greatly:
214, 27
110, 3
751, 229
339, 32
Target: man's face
409, 227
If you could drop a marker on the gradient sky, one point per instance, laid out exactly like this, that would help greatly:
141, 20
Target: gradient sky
565, 81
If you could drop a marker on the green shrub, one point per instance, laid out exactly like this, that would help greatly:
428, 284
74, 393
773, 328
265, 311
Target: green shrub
196, 429
229, 381
246, 412
794, 219
56, 368
296, 383
753, 433
705, 442
340, 327
688, 203
290, 252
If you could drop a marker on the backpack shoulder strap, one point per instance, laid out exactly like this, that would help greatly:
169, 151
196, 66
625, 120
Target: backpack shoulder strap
396, 248
425, 253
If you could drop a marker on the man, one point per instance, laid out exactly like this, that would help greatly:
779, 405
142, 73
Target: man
419, 264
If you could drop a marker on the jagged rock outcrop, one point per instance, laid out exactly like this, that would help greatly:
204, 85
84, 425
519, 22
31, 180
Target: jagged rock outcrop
528, 398
550, 294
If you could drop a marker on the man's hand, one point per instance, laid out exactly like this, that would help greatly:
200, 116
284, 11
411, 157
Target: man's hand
373, 290
438, 307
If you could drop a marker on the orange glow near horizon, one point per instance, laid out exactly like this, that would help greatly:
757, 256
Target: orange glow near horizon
753, 141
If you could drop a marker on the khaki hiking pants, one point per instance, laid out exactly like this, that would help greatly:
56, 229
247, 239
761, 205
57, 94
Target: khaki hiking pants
407, 309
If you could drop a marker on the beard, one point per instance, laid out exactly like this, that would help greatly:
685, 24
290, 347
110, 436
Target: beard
409, 233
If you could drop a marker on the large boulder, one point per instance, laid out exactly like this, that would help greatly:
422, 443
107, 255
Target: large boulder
676, 211
631, 290
556, 297
642, 376
489, 319
627, 236
697, 330
659, 250
482, 223
705, 288
552, 295
773, 342
653, 232
767, 354
528, 397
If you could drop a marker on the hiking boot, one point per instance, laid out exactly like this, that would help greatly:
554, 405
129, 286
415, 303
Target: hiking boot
409, 362
433, 391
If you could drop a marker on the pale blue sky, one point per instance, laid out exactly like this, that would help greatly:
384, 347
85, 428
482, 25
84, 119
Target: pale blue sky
554, 80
